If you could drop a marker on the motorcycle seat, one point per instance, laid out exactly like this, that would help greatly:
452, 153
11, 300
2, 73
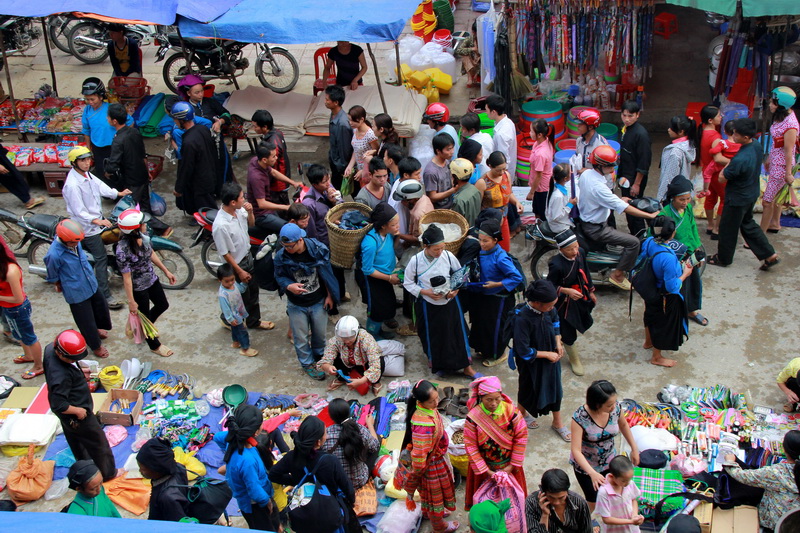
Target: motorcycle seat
191, 42
43, 222
544, 227
257, 233
208, 214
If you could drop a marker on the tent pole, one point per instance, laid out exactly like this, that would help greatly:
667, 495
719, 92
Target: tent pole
10, 87
377, 77
49, 56
400, 78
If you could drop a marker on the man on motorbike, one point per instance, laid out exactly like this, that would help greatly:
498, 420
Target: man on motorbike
589, 139
596, 201
83, 194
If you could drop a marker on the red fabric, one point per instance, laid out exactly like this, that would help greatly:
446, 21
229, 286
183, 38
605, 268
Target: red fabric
709, 136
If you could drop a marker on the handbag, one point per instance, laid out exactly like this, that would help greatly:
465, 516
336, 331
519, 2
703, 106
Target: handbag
31, 478
366, 500
311, 501
501, 486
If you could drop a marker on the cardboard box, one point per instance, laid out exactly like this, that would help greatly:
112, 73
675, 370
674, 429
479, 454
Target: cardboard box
106, 416
742, 519
703, 513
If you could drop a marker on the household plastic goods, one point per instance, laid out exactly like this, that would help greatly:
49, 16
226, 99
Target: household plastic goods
609, 131
563, 156
547, 110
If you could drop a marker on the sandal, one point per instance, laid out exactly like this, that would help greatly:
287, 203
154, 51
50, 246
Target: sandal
101, 352
407, 330
563, 432
452, 526
163, 351
391, 324
30, 374
33, 202
250, 352
714, 260
494, 362
700, 319
335, 384
102, 333
769, 264
265, 325
20, 360
531, 423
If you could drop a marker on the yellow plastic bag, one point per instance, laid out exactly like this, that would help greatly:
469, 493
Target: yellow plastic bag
194, 467
460, 463
398, 494
280, 496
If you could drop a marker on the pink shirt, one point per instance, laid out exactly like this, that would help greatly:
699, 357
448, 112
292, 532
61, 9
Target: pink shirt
613, 505
542, 161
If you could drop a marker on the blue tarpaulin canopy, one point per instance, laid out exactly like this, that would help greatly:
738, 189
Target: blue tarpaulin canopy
307, 21
155, 11
70, 523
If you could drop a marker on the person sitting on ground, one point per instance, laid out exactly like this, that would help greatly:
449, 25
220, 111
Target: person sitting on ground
376, 190
489, 516
554, 508
467, 198
437, 116
618, 499
356, 445
436, 176
351, 65
790, 385
352, 349
168, 479
596, 201
124, 53
91, 499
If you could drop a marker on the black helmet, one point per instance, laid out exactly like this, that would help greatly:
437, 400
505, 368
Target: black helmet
93, 86
646, 204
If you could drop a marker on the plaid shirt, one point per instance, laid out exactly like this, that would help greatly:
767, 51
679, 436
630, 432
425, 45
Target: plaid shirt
357, 472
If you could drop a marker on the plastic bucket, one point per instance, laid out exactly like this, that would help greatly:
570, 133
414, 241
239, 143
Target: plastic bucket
563, 156
609, 131
443, 37
547, 110
613, 144
565, 144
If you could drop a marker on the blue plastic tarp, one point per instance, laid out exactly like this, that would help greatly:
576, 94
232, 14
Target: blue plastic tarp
70, 523
307, 21
155, 11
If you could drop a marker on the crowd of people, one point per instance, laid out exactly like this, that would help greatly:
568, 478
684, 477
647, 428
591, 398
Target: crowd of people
462, 307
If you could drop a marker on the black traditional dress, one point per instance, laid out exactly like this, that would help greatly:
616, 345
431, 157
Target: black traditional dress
540, 389
575, 315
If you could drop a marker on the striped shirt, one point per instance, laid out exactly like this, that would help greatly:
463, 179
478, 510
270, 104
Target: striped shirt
577, 517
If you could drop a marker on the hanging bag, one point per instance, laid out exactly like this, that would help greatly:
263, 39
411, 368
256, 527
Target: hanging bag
31, 478
207, 497
311, 501
503, 486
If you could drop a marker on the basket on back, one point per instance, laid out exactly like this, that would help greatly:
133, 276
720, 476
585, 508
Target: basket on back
344, 244
448, 216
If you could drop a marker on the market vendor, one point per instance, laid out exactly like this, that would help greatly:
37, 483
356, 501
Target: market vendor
353, 349
350, 62
124, 53
91, 499
789, 384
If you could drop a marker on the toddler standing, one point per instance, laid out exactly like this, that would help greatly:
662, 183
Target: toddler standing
617, 499
232, 306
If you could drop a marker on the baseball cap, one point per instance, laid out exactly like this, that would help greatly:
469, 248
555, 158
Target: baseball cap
292, 233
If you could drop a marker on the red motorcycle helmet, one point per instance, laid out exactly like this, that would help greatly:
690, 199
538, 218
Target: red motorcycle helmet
590, 117
71, 345
69, 231
603, 156
437, 111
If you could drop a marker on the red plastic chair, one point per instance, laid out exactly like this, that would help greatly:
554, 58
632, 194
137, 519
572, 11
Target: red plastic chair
320, 57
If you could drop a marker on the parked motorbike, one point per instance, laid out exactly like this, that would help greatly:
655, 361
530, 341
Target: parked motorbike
88, 40
208, 252
19, 34
601, 258
276, 68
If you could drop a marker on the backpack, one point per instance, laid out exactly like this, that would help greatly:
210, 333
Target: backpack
643, 279
507, 329
264, 270
311, 502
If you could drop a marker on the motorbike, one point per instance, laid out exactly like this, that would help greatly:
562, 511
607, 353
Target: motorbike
88, 40
208, 252
39, 229
276, 68
601, 258
19, 34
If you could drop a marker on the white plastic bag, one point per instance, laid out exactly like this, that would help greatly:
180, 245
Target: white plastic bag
453, 448
394, 363
398, 519
420, 145
24, 429
654, 438
57, 489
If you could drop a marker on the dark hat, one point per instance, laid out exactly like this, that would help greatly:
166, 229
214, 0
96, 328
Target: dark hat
382, 214
683, 523
678, 186
492, 229
81, 472
432, 235
157, 455
565, 238
470, 149
541, 290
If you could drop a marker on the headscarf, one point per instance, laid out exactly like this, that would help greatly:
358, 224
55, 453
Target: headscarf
483, 386
541, 290
157, 455
186, 83
242, 426
381, 215
489, 516
469, 150
432, 235
490, 213
565, 238
678, 186
307, 436
684, 523
492, 229
81, 472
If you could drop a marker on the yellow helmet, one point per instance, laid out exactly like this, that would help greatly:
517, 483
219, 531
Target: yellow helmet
461, 168
79, 152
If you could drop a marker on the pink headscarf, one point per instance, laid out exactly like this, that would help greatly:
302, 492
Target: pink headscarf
482, 386
188, 81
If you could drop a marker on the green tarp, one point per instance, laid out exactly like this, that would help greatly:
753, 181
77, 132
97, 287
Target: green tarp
750, 8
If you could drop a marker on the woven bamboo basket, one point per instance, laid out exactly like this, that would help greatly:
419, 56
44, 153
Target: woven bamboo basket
345, 243
448, 216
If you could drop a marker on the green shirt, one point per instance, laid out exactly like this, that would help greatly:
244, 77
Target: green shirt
100, 505
467, 203
685, 226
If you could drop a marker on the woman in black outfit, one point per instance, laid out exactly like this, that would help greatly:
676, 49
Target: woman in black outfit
157, 463
306, 455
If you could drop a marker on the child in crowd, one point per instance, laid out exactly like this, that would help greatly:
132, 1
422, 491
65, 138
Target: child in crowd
562, 199
436, 176
617, 499
728, 149
789, 384
376, 190
232, 305
392, 155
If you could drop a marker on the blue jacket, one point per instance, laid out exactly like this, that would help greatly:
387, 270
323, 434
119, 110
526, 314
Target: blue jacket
496, 265
247, 476
72, 270
666, 266
377, 253
285, 265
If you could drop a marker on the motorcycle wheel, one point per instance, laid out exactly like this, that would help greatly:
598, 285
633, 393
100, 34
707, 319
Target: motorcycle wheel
13, 235
541, 260
178, 264
88, 54
210, 257
36, 252
59, 28
175, 67
281, 74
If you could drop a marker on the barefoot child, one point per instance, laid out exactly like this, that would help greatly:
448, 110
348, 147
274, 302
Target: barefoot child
617, 499
232, 305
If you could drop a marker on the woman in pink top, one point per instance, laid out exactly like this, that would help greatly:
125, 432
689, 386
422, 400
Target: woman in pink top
541, 160
364, 140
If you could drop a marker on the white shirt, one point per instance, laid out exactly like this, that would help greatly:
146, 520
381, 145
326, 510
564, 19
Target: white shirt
488, 147
82, 195
420, 270
595, 199
557, 212
505, 140
230, 234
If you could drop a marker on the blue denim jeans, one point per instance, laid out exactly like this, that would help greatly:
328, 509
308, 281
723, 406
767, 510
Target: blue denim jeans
308, 345
19, 321
240, 335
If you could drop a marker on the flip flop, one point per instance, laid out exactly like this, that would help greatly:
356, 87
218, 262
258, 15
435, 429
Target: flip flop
20, 360
714, 260
33, 202
101, 352
562, 432
769, 264
452, 526
30, 374
163, 351
494, 362
265, 325
700, 319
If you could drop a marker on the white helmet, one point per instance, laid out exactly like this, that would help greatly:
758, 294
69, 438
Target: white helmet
346, 327
129, 220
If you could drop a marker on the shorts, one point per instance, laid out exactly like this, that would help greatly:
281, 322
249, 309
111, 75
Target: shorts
19, 320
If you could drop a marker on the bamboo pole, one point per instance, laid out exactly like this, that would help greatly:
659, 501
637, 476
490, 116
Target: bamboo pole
377, 77
49, 56
10, 87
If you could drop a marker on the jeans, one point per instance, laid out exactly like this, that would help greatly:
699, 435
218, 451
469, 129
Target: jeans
19, 321
94, 245
270, 223
239, 334
301, 319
